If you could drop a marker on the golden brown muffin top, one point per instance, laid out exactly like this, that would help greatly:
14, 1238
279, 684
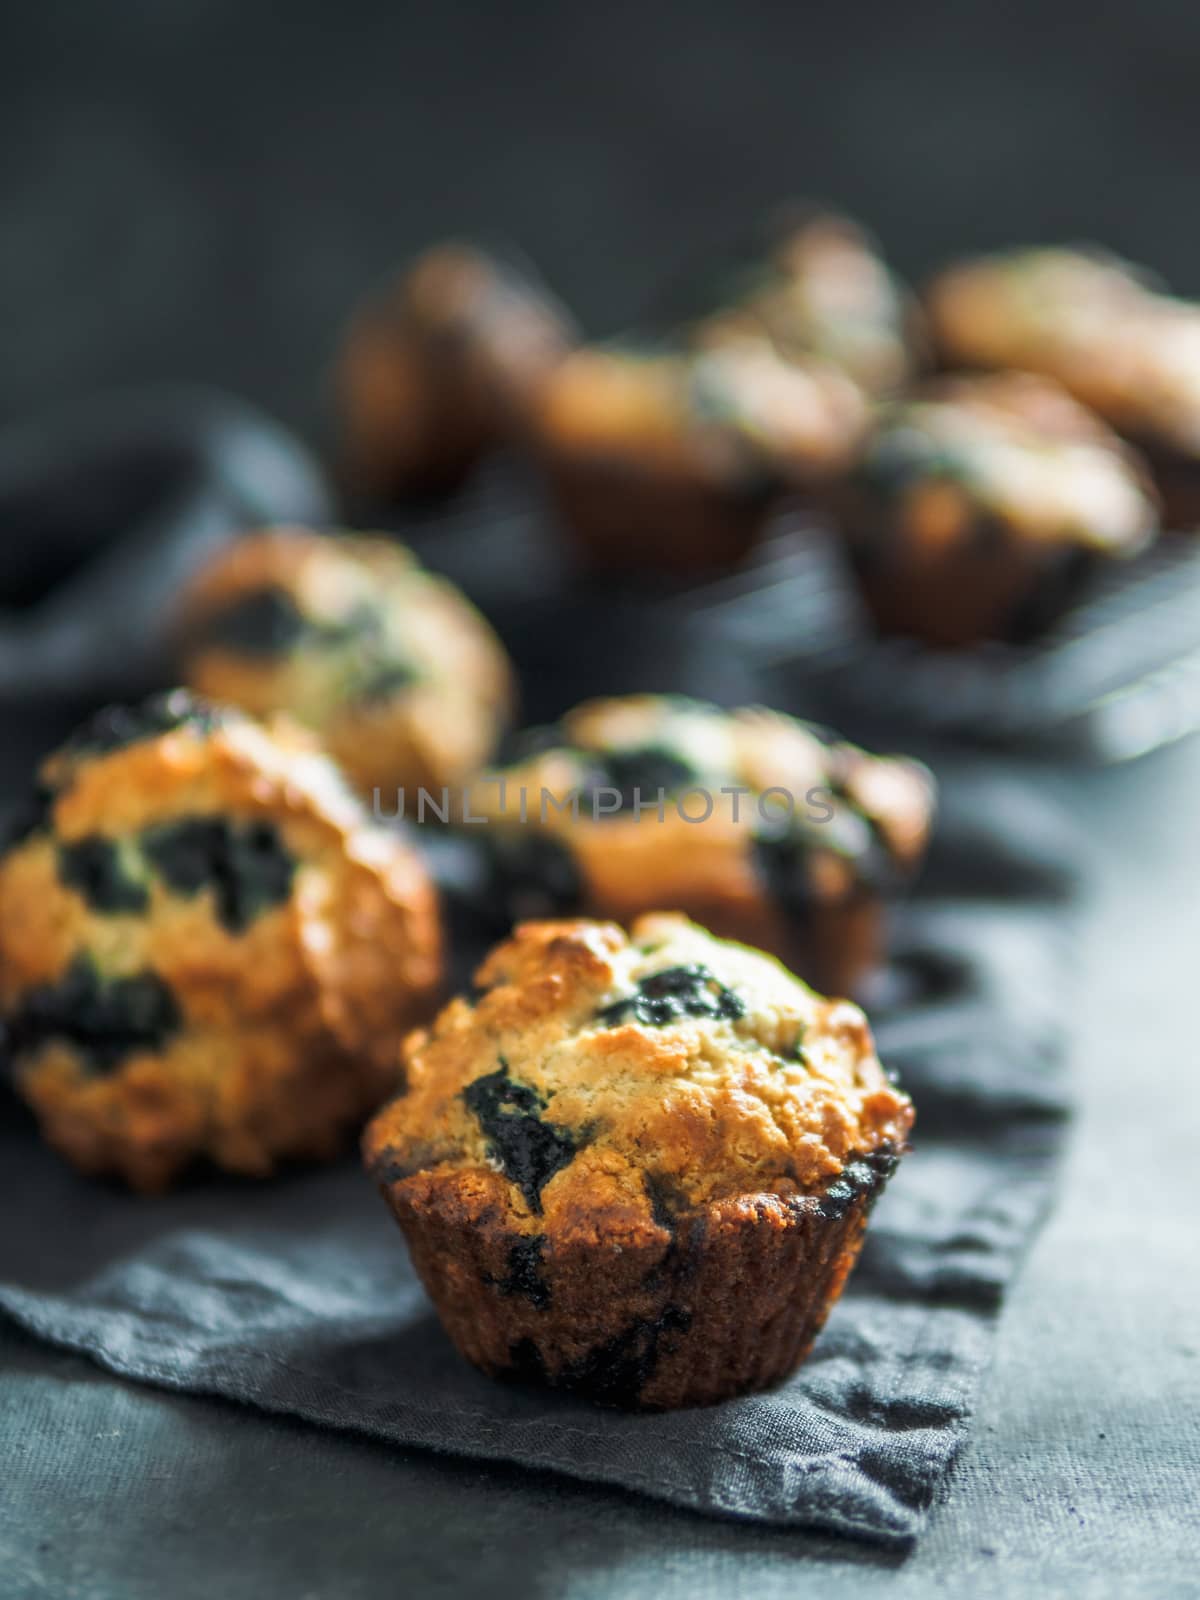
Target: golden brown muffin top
187, 841
351, 636
605, 1074
633, 745
1098, 325
1018, 447
497, 314
737, 409
821, 290
441, 366
331, 620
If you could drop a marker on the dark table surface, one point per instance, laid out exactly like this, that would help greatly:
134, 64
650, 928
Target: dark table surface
198, 190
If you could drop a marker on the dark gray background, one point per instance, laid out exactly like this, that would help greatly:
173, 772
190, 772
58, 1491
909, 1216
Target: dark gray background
197, 188
201, 187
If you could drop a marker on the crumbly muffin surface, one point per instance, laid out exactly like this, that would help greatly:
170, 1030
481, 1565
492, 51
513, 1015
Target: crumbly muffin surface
601, 1080
982, 505
734, 415
820, 289
646, 802
1101, 327
1017, 449
397, 673
205, 947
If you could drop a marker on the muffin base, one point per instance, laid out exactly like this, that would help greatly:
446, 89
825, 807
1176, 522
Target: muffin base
833, 947
412, 427
1177, 479
832, 944
148, 1127
968, 595
695, 1308
623, 518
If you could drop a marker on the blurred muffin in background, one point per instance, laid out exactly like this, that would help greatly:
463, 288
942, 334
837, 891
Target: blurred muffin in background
671, 458
980, 505
206, 948
1101, 328
441, 367
765, 829
395, 671
815, 286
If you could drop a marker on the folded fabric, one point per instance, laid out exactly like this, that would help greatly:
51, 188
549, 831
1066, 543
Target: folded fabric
296, 1296
106, 508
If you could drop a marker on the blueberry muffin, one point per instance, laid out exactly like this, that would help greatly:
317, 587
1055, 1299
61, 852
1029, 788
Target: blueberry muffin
981, 504
206, 949
670, 458
1101, 328
441, 367
816, 286
637, 1167
396, 672
763, 828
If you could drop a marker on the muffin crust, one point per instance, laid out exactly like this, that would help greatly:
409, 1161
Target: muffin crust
394, 670
1103, 329
816, 286
980, 505
810, 886
671, 457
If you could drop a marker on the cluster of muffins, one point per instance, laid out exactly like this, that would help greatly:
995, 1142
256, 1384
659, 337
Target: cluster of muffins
637, 1157
979, 451
668, 450
636, 1161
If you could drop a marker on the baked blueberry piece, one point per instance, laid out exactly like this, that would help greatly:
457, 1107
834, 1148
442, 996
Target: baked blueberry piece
671, 457
1100, 327
206, 948
637, 1167
980, 505
441, 367
396, 672
764, 828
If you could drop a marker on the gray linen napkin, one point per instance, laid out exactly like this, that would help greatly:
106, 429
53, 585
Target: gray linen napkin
297, 1297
